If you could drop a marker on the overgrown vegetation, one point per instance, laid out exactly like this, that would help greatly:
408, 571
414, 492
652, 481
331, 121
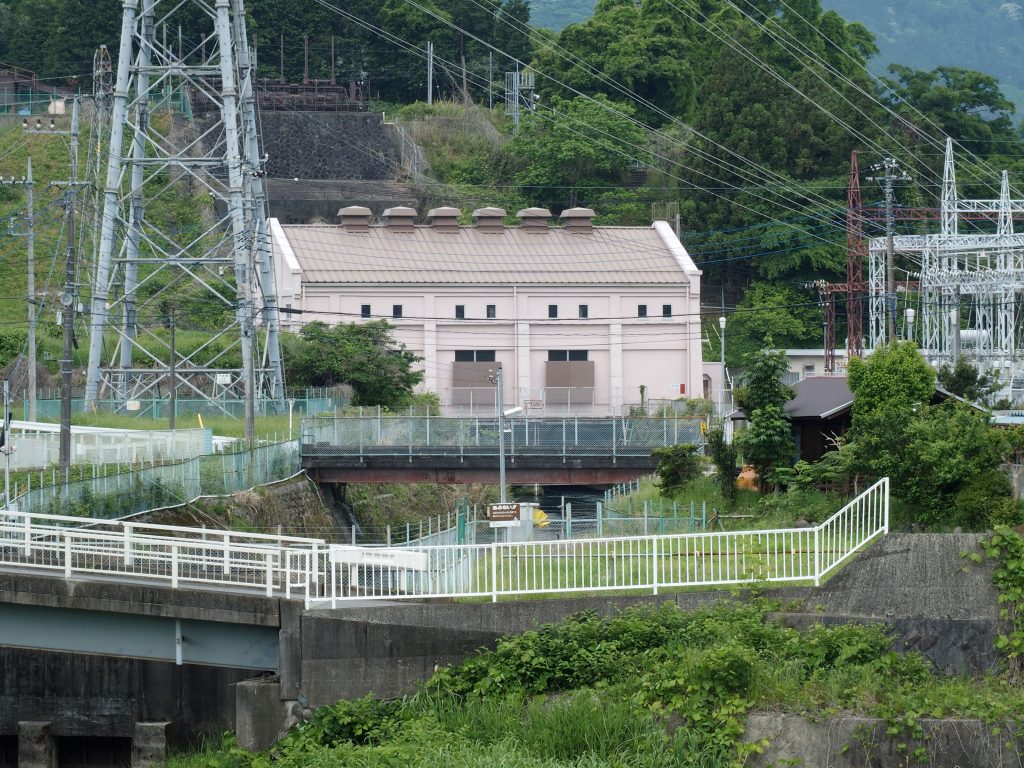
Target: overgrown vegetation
649, 688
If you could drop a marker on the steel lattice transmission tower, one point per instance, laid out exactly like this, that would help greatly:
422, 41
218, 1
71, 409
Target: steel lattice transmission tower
144, 265
970, 282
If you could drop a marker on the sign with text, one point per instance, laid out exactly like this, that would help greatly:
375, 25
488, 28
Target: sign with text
503, 515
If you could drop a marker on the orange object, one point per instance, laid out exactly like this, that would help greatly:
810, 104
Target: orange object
747, 480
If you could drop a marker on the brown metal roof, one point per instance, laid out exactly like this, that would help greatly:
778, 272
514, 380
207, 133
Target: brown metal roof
604, 255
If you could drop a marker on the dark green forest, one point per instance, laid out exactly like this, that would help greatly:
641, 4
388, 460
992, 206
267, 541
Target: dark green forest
740, 116
984, 35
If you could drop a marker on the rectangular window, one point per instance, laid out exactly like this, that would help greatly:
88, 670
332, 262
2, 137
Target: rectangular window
552, 310
584, 311
474, 356
460, 311
492, 311
809, 369
641, 310
567, 355
364, 310
396, 310
666, 310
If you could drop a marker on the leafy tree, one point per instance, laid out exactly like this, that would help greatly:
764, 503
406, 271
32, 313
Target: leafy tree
362, 355
767, 442
724, 456
571, 145
967, 105
771, 311
964, 380
888, 389
677, 465
895, 377
1009, 444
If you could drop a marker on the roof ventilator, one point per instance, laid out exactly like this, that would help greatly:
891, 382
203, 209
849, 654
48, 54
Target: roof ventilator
355, 218
490, 220
534, 220
400, 219
445, 219
578, 219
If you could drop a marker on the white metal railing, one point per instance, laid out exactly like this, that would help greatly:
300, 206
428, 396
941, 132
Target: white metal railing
313, 570
177, 556
626, 563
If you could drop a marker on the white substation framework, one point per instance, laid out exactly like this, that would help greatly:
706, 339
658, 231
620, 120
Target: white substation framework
970, 284
142, 264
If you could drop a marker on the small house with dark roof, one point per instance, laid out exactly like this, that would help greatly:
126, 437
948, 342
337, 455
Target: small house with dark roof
821, 411
583, 319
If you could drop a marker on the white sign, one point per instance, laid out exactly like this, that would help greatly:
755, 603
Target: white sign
223, 379
388, 558
132, 405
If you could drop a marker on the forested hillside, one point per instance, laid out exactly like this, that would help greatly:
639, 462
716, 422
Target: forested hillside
741, 117
984, 35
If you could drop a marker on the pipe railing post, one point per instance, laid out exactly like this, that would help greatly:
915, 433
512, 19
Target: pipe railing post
67, 556
494, 572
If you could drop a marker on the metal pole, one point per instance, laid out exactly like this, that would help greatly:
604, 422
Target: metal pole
890, 271
7, 444
490, 79
68, 301
31, 296
721, 387
430, 72
501, 434
173, 373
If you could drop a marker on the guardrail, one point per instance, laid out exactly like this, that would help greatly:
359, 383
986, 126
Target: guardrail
177, 556
314, 571
648, 563
448, 436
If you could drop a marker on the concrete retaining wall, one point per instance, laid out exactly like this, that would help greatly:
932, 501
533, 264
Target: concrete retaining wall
862, 742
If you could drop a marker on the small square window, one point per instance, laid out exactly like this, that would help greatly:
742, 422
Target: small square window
460, 311
666, 310
485, 356
396, 310
577, 355
492, 311
552, 310
641, 310
464, 355
364, 310
584, 311
809, 369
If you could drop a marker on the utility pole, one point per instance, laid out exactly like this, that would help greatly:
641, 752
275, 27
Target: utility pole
490, 79
29, 189
249, 338
68, 296
5, 444
892, 174
29, 185
67, 299
430, 72
173, 375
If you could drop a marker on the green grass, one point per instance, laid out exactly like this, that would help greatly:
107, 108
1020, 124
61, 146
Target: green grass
648, 688
750, 510
267, 427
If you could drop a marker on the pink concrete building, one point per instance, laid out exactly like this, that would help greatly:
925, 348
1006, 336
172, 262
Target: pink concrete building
582, 319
